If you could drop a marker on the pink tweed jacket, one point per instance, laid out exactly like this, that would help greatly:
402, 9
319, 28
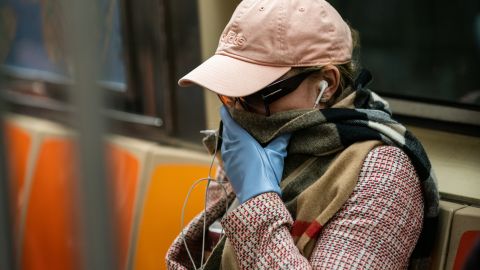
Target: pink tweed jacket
377, 228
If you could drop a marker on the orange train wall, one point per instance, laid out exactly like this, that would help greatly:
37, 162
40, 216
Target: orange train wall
148, 183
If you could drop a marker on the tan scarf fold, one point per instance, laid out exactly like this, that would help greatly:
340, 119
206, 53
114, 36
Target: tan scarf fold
321, 200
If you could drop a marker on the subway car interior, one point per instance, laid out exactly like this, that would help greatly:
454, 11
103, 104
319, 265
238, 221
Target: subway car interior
100, 146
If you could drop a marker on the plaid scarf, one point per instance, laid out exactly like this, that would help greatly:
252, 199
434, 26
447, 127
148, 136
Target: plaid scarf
325, 156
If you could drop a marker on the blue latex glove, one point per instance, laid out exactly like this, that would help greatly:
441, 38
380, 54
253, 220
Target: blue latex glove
252, 169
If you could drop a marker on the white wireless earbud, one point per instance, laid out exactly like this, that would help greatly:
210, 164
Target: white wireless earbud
322, 85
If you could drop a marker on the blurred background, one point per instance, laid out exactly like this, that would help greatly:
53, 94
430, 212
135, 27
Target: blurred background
99, 146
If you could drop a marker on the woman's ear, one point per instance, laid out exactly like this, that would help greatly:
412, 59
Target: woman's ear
331, 75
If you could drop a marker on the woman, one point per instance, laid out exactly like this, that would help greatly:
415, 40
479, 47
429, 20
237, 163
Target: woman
319, 174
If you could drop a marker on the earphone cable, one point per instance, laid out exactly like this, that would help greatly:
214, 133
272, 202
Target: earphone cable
209, 179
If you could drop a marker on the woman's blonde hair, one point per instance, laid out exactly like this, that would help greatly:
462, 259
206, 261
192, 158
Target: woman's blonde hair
348, 71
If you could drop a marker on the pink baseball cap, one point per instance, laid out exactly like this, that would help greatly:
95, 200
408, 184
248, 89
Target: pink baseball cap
264, 39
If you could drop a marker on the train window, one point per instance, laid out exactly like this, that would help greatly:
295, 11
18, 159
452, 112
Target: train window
164, 43
113, 72
33, 45
186, 39
425, 52
145, 46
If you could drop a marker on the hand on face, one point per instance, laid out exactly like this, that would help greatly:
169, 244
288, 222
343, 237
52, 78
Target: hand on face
251, 168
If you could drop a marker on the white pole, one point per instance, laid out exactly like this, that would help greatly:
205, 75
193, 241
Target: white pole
7, 256
83, 30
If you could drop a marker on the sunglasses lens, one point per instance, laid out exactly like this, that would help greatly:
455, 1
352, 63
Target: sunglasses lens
254, 100
253, 103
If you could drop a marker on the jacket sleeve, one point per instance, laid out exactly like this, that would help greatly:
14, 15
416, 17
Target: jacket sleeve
377, 228
259, 231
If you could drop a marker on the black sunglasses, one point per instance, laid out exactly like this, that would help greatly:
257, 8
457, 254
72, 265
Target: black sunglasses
270, 93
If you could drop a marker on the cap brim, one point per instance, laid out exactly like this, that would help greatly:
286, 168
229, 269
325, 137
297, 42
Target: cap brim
228, 76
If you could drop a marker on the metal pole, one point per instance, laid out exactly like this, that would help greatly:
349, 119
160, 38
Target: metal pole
7, 256
83, 30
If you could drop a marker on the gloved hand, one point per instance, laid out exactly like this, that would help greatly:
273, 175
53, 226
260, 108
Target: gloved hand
252, 169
